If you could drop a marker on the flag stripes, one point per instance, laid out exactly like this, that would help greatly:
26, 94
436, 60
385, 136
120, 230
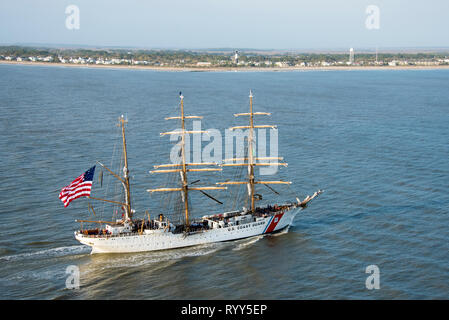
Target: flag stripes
80, 187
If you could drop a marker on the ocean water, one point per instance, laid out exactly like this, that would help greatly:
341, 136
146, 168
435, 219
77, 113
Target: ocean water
375, 141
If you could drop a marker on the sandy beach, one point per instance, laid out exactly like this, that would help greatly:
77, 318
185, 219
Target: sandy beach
224, 69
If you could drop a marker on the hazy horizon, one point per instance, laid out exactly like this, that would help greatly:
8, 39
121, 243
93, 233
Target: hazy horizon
409, 50
210, 24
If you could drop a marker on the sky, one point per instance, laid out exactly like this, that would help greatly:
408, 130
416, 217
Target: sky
261, 24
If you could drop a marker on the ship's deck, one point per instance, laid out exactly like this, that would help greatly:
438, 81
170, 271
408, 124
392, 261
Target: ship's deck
196, 226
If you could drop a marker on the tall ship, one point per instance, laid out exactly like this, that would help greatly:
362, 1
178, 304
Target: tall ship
130, 234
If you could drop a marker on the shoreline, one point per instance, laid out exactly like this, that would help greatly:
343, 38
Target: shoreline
224, 69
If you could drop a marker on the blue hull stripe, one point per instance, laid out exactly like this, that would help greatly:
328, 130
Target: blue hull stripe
269, 222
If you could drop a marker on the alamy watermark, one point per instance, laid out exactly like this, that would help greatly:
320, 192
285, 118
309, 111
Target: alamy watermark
372, 21
234, 147
73, 279
72, 21
373, 280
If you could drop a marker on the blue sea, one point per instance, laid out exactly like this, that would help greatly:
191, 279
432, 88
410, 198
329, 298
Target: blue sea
376, 141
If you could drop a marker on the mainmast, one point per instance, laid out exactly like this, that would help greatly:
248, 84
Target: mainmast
252, 158
183, 167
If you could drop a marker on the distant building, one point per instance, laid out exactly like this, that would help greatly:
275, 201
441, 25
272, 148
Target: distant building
139, 62
351, 56
281, 64
203, 64
236, 57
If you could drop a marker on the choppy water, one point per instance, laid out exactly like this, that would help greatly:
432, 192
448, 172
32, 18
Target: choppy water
376, 141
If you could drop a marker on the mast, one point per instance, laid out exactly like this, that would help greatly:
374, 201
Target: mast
250, 153
252, 158
124, 180
184, 167
128, 212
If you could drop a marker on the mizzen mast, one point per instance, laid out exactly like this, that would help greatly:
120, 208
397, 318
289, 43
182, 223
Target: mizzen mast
252, 158
128, 212
183, 167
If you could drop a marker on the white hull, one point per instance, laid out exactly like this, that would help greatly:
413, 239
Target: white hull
162, 240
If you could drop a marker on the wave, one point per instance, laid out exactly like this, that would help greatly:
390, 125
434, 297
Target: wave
247, 242
281, 232
50, 253
107, 261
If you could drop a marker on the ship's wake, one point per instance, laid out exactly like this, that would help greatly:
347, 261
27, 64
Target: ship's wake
282, 232
48, 253
242, 244
127, 260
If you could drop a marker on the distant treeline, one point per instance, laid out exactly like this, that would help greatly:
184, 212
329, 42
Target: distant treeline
187, 57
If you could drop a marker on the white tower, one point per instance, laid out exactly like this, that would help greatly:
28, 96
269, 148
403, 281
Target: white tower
377, 62
236, 57
351, 56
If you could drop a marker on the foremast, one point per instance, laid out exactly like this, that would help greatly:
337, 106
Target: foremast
184, 167
252, 158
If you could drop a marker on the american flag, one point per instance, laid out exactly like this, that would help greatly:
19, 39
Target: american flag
80, 187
